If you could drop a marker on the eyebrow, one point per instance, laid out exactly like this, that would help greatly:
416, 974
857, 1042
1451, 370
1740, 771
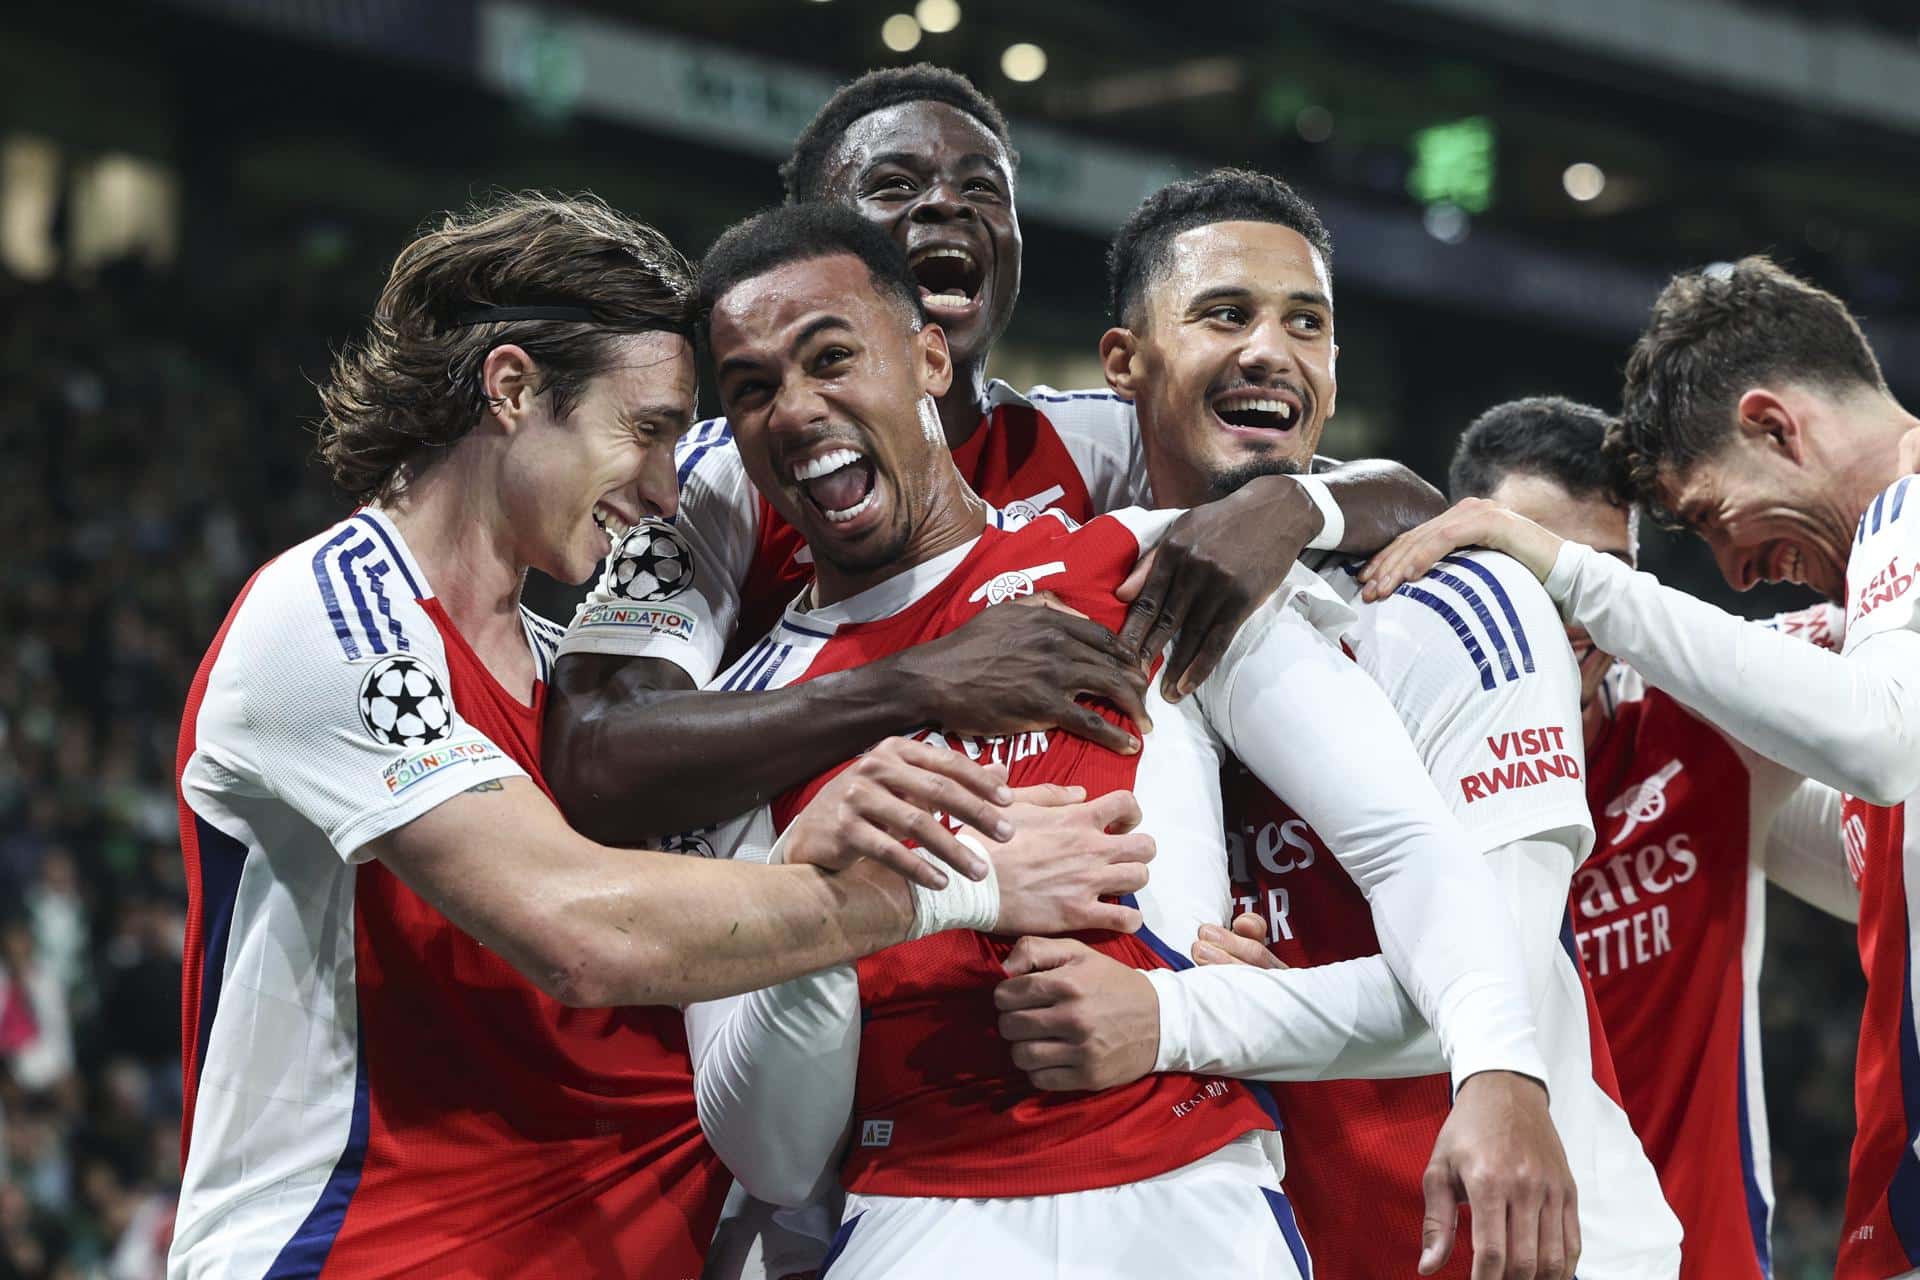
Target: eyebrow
1230, 292
813, 328
914, 160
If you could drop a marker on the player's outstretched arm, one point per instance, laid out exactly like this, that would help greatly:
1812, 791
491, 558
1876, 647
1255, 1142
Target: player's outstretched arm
634, 752
1851, 722
595, 926
1219, 562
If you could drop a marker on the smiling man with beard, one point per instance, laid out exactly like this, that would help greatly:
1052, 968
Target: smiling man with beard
924, 155
1222, 294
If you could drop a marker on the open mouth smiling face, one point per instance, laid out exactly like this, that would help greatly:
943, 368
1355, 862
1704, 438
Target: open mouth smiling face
1259, 413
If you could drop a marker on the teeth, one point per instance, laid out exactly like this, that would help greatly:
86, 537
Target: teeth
953, 298
825, 465
1280, 407
961, 254
841, 517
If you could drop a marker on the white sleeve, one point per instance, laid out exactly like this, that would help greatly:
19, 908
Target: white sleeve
1350, 1020
1475, 661
1851, 721
1318, 733
1102, 436
672, 591
1806, 854
773, 1070
358, 746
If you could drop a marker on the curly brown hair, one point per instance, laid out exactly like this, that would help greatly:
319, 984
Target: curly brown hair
1715, 334
410, 387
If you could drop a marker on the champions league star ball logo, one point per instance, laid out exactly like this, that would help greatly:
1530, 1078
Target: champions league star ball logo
403, 704
653, 563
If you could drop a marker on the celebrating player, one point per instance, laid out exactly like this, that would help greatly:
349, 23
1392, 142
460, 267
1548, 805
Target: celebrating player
1669, 913
1756, 415
1223, 301
820, 349
425, 1022
925, 156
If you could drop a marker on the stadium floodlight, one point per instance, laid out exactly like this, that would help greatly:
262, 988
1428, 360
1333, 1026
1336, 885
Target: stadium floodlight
937, 16
1454, 162
1023, 62
900, 32
1583, 181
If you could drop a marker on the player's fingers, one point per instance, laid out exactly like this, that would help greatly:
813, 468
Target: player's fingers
1490, 1234
1525, 1221
1200, 621
1084, 722
1570, 1227
1036, 955
1249, 925
1121, 878
947, 782
1042, 1022
1125, 686
1116, 811
1180, 600
1213, 643
1038, 1055
1049, 795
1552, 1254
904, 820
1135, 847
1238, 949
1440, 1218
1108, 917
1144, 613
1137, 576
1059, 1080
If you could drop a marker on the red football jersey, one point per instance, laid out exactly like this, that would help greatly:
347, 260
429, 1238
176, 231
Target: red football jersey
1662, 914
698, 591
370, 1091
940, 1110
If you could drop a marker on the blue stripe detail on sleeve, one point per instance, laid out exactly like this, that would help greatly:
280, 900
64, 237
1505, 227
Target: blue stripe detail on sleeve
1499, 589
376, 574
222, 859
344, 563
327, 596
1759, 1212
398, 559
303, 1256
1460, 629
1899, 498
793, 626
1480, 611
718, 433
1283, 1215
1873, 512
773, 668
750, 667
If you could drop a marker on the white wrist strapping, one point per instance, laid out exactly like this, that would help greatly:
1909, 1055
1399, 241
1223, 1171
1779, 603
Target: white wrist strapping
1333, 523
963, 904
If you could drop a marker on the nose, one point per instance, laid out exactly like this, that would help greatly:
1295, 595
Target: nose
941, 202
796, 407
1266, 352
1736, 563
659, 484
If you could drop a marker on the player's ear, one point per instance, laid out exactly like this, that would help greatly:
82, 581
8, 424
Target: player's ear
936, 361
508, 379
1767, 418
1119, 358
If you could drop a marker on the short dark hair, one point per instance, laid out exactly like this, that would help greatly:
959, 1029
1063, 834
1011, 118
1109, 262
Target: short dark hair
1547, 436
802, 232
805, 170
1714, 334
409, 388
1226, 195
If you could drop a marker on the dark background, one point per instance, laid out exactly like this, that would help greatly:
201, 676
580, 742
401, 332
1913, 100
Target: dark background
199, 199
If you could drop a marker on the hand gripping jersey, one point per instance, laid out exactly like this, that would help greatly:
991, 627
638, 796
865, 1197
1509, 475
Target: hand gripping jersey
1882, 1228
370, 1092
1473, 660
698, 591
939, 1108
1669, 919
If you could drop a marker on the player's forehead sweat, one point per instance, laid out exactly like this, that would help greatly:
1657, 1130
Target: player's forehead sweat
810, 232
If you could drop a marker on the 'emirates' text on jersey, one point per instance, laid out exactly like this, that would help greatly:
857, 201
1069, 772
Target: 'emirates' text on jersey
369, 1091
698, 591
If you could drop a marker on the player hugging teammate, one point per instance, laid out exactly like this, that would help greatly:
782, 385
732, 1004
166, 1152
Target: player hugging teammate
1022, 832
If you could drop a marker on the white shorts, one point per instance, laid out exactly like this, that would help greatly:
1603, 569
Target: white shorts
1221, 1216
